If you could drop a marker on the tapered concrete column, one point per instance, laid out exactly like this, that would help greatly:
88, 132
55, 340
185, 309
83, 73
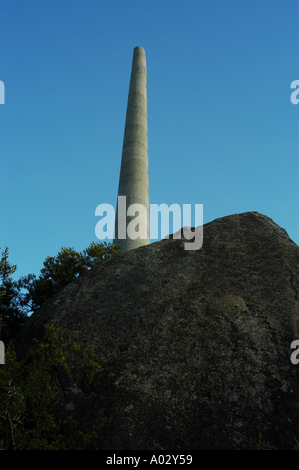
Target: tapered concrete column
133, 180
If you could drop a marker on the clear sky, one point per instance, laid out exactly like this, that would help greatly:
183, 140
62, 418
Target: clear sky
222, 129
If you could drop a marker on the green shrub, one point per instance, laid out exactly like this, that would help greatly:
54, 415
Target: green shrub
260, 444
27, 400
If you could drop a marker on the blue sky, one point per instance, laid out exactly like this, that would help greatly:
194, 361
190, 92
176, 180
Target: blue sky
222, 129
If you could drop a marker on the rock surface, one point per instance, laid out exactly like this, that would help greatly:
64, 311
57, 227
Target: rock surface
195, 345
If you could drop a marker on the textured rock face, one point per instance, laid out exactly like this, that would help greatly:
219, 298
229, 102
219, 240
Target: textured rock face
195, 345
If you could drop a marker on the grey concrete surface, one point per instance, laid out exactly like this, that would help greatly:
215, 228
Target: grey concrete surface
133, 180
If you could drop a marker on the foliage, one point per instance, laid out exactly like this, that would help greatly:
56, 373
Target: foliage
60, 270
260, 444
27, 398
12, 318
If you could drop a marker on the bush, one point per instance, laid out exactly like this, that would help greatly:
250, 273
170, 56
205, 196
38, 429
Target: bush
27, 400
260, 444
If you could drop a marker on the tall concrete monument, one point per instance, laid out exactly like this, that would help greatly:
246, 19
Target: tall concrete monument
132, 228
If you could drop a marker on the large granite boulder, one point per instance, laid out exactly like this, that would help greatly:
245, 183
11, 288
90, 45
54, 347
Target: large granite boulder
195, 345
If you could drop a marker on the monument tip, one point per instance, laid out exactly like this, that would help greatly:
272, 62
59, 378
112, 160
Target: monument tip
139, 48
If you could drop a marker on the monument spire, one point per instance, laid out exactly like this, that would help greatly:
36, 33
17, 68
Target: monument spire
133, 179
